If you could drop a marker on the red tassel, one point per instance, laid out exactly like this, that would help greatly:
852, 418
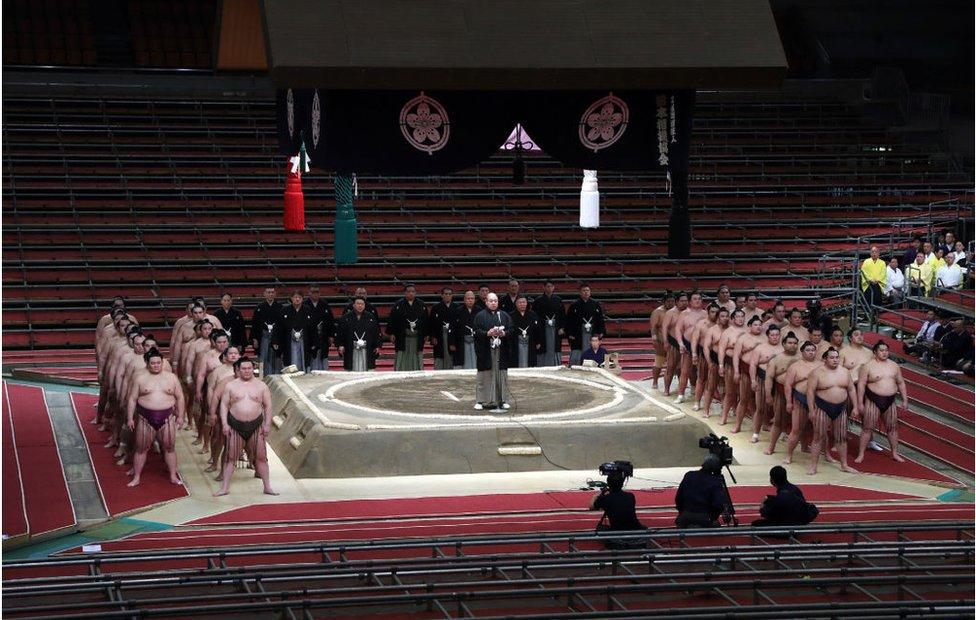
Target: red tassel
294, 202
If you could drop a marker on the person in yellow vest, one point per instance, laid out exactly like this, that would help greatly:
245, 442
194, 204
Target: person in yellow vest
919, 276
874, 275
936, 259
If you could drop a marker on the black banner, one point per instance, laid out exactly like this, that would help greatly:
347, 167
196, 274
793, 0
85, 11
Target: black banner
419, 132
403, 133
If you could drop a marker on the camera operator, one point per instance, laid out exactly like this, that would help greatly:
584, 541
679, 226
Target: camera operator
701, 497
619, 506
788, 506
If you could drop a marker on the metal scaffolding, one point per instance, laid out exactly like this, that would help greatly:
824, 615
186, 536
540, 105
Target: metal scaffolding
849, 570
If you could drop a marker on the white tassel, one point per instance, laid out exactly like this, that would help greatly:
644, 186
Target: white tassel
294, 161
355, 186
589, 201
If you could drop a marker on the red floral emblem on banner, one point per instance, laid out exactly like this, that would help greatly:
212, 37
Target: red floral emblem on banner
603, 123
424, 124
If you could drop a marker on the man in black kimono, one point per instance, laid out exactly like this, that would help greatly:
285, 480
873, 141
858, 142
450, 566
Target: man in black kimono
358, 338
361, 294
323, 328
263, 322
583, 320
462, 343
407, 326
439, 329
552, 317
493, 332
232, 320
295, 334
523, 352
482, 301
507, 301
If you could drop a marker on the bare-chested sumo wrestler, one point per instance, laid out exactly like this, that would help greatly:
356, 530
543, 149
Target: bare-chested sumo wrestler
741, 357
682, 330
672, 350
758, 361
774, 390
699, 358
726, 348
659, 339
206, 361
879, 381
829, 390
217, 380
245, 416
795, 390
157, 398
710, 344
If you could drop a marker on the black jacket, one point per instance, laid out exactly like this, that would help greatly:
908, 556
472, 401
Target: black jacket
297, 320
533, 330
551, 307
440, 314
486, 320
264, 314
701, 492
352, 326
234, 325
787, 507
579, 312
621, 510
462, 326
324, 328
402, 316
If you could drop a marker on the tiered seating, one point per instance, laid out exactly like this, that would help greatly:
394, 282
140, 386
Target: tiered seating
160, 200
48, 32
173, 33
738, 573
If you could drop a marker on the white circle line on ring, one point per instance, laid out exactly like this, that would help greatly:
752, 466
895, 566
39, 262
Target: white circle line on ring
329, 396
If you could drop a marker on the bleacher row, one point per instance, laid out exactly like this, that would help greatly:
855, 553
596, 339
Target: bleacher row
174, 33
159, 200
828, 570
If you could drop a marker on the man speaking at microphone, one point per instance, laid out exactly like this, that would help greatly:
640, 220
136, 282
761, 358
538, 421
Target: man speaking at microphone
492, 337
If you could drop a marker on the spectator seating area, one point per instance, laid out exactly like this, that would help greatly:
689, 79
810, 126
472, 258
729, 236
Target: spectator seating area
62, 33
160, 200
48, 32
172, 33
882, 569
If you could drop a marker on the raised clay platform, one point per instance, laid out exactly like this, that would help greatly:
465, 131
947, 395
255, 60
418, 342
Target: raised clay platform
341, 425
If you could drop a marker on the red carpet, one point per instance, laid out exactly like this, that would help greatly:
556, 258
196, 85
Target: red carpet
940, 394
881, 463
184, 537
936, 429
14, 513
46, 499
939, 441
501, 504
155, 487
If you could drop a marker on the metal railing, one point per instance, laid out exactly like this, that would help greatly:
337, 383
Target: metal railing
753, 572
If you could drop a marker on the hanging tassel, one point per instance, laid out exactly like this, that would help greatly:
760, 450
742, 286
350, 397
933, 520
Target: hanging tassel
589, 201
294, 216
355, 186
667, 184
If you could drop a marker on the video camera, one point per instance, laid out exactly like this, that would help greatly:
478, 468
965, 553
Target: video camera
623, 469
719, 446
613, 469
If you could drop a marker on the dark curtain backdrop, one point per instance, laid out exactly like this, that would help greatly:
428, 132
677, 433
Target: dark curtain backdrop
401, 133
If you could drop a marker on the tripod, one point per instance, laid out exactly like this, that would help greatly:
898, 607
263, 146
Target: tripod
729, 515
